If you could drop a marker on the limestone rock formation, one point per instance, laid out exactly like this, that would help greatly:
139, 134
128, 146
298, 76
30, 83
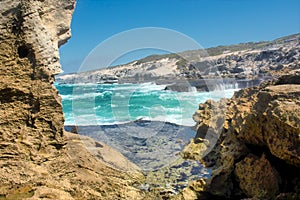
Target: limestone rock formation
252, 61
37, 159
257, 152
257, 177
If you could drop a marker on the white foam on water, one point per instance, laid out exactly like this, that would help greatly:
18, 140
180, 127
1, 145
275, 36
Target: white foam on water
84, 107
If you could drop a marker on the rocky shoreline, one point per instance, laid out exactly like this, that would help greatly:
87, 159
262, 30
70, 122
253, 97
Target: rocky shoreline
256, 152
186, 71
243, 62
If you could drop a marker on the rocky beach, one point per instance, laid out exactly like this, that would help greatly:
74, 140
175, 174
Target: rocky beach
243, 147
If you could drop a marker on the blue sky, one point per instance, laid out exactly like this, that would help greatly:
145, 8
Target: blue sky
209, 22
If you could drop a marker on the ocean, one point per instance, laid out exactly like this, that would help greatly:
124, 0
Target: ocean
107, 104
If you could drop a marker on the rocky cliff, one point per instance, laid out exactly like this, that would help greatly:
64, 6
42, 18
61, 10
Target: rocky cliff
37, 159
242, 61
257, 151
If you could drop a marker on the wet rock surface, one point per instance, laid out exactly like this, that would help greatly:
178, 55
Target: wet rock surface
154, 147
149, 144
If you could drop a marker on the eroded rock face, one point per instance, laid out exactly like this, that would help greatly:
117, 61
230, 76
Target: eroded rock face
40, 28
37, 159
257, 153
256, 177
31, 111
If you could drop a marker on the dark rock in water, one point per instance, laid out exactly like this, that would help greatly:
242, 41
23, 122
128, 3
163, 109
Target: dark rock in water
206, 85
179, 87
188, 85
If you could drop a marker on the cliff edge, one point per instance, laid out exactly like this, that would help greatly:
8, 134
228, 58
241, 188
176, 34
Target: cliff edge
37, 159
257, 153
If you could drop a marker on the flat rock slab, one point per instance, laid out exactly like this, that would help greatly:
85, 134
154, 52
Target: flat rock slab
148, 144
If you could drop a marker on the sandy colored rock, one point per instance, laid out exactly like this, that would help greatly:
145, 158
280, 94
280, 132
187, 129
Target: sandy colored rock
190, 193
37, 159
50, 193
257, 178
74, 173
260, 135
273, 120
108, 155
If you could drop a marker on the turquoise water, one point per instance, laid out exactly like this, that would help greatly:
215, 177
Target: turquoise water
100, 104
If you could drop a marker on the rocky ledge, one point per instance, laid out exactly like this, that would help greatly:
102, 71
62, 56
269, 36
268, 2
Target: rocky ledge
257, 150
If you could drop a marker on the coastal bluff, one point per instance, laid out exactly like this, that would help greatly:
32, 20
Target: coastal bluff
257, 150
256, 153
38, 160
